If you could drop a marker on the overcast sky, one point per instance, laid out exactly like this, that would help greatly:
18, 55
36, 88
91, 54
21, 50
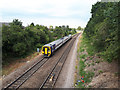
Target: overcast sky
47, 12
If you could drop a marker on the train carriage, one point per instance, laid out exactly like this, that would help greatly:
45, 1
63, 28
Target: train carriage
48, 49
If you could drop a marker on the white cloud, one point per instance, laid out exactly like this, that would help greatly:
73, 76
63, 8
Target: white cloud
56, 22
59, 11
73, 23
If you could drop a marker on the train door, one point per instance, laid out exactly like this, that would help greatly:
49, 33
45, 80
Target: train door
45, 51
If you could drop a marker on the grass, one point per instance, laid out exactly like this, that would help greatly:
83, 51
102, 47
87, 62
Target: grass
93, 64
100, 71
89, 86
82, 49
97, 61
76, 67
87, 75
117, 73
91, 58
83, 56
90, 51
13, 63
87, 45
94, 69
88, 65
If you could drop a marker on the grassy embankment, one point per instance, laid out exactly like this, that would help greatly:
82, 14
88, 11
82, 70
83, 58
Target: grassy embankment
99, 43
81, 64
16, 63
91, 65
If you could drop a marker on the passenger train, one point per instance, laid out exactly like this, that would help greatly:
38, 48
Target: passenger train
48, 49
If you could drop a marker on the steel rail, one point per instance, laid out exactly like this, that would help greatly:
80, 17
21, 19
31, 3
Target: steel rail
26, 75
62, 64
64, 56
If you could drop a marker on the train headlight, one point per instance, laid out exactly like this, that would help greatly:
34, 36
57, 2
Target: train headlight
42, 52
49, 52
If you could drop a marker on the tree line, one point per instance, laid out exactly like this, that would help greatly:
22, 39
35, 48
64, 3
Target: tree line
102, 31
19, 41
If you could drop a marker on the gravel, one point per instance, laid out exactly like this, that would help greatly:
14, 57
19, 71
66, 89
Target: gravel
12, 76
66, 77
36, 80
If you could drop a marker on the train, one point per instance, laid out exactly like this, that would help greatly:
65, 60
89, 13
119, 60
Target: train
50, 48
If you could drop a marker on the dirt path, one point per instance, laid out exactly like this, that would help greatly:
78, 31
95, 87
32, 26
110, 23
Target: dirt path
66, 77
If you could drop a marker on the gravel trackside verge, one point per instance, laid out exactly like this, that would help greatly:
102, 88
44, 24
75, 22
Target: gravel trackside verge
66, 77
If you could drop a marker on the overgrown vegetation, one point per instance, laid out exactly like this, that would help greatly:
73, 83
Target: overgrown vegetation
86, 74
100, 40
101, 33
19, 41
84, 77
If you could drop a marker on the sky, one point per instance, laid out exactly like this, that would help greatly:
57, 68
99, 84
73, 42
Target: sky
47, 12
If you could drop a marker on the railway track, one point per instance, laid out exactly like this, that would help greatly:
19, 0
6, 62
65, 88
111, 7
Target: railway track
26, 75
52, 77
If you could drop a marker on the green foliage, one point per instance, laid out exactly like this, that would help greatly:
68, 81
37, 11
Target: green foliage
81, 49
87, 75
97, 61
20, 41
19, 48
81, 68
93, 64
101, 32
83, 56
79, 28
62, 31
32, 24
100, 71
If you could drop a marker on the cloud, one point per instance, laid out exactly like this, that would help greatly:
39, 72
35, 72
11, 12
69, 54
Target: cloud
70, 12
73, 23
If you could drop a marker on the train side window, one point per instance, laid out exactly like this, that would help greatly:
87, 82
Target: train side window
54, 46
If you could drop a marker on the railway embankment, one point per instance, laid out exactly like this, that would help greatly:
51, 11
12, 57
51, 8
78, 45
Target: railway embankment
18, 69
17, 63
94, 72
37, 78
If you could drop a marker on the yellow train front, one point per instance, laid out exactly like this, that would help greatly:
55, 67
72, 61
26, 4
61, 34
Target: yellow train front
48, 49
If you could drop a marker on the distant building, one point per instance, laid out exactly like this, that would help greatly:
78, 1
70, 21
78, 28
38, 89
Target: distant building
5, 23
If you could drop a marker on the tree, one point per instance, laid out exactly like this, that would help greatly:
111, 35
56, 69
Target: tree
19, 42
16, 22
79, 28
32, 24
102, 30
51, 27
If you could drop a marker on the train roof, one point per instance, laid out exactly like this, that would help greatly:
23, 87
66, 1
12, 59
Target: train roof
54, 42
49, 44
